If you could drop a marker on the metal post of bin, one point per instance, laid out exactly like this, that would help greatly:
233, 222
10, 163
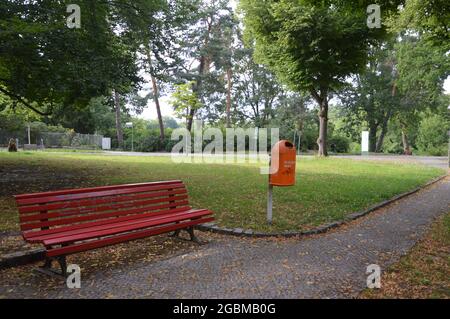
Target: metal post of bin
269, 204
269, 197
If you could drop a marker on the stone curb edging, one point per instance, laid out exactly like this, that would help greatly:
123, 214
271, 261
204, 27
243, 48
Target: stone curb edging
9, 233
21, 258
29, 256
212, 227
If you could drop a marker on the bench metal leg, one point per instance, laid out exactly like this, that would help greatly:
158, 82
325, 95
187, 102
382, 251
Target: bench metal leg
194, 238
63, 264
48, 263
190, 231
176, 233
48, 270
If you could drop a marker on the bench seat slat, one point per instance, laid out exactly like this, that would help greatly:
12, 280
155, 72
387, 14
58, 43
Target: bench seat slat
95, 228
116, 229
123, 238
32, 236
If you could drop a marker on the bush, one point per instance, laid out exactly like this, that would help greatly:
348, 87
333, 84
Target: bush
432, 136
338, 144
355, 148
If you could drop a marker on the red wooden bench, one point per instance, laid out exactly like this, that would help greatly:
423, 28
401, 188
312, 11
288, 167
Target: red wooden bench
76, 220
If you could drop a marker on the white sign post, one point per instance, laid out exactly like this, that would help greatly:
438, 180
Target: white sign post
365, 143
130, 125
106, 143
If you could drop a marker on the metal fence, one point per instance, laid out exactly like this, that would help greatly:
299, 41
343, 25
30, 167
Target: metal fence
5, 136
53, 139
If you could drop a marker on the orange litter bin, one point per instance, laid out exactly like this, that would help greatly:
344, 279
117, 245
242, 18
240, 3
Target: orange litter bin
283, 161
282, 170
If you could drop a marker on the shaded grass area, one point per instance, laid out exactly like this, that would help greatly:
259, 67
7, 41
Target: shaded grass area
327, 189
424, 272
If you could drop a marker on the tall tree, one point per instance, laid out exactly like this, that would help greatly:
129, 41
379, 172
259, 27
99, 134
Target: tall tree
207, 54
257, 92
160, 42
312, 46
422, 69
372, 98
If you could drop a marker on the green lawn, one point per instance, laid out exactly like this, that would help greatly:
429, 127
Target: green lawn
327, 189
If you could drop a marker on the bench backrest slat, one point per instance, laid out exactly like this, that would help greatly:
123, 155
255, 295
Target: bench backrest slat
98, 209
42, 211
95, 201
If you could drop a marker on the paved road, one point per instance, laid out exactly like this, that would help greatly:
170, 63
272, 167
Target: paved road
435, 161
327, 266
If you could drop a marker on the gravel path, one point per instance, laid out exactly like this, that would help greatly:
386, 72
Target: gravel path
327, 266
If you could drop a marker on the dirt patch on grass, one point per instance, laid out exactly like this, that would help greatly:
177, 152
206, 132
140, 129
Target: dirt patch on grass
424, 272
21, 177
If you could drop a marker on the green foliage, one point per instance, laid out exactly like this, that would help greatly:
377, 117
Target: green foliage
309, 45
257, 93
184, 99
428, 17
295, 48
339, 144
422, 69
146, 136
432, 137
44, 61
168, 122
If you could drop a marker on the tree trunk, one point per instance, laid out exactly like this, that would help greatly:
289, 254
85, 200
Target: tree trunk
406, 146
322, 140
156, 96
380, 140
229, 75
190, 119
158, 108
383, 133
322, 100
118, 119
205, 64
373, 127
196, 89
